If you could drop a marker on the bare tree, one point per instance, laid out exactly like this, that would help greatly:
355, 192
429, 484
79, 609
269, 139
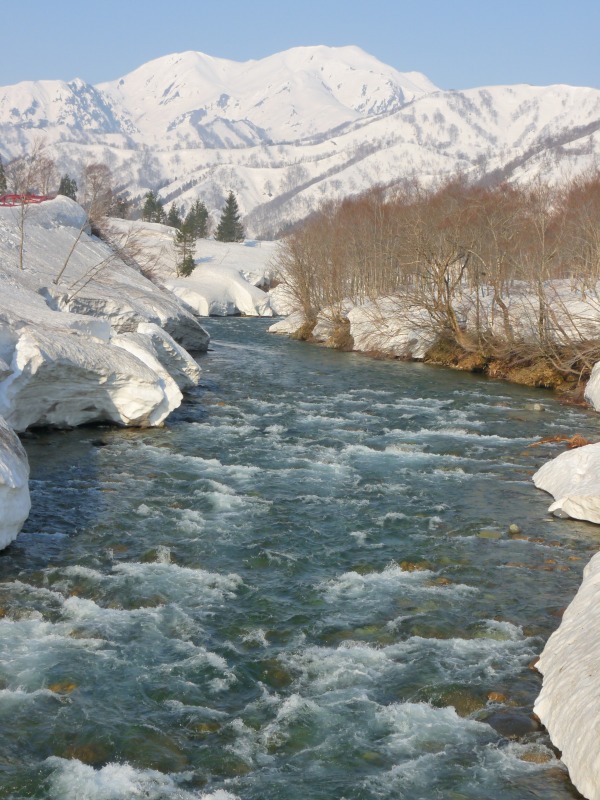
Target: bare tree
25, 175
98, 194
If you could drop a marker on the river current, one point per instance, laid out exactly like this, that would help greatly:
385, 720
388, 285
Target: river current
303, 587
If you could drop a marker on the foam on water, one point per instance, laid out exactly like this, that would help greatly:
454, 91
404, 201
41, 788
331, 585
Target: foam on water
374, 586
72, 780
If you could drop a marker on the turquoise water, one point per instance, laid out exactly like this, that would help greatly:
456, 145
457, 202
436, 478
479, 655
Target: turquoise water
302, 587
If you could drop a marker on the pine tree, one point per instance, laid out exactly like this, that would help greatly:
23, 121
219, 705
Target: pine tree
2, 179
230, 228
197, 220
68, 187
153, 210
121, 206
174, 216
185, 246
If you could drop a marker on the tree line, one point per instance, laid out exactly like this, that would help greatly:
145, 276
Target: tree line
501, 272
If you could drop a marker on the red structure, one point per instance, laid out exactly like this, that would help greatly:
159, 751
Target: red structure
24, 199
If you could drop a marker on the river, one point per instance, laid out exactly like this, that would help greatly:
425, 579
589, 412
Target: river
303, 586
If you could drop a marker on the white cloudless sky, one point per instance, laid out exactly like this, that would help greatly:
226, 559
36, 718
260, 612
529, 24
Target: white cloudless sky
456, 43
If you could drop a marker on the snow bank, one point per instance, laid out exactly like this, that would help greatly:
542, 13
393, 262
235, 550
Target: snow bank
592, 390
177, 361
569, 703
289, 325
226, 278
386, 327
282, 300
96, 281
573, 478
220, 291
110, 362
14, 489
383, 326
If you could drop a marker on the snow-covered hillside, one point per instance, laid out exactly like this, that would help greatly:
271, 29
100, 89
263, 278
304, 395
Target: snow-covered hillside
307, 91
298, 127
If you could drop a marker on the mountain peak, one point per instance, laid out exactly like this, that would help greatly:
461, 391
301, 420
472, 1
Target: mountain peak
304, 91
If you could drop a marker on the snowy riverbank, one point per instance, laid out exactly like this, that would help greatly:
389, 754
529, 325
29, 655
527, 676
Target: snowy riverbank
86, 336
569, 703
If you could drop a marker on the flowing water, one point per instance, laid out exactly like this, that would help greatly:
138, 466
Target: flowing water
303, 587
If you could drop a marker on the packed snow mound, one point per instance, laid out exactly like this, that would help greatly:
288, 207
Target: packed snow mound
175, 360
282, 300
592, 389
289, 325
569, 703
62, 380
384, 326
14, 489
220, 292
111, 362
573, 478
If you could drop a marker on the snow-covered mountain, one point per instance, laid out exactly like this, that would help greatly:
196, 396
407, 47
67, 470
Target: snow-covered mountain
296, 128
191, 99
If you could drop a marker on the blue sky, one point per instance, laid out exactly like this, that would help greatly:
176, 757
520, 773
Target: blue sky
457, 44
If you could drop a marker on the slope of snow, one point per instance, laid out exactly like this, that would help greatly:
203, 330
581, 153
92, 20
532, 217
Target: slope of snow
108, 363
226, 276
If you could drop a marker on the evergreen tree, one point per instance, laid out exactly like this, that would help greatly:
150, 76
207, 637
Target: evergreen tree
121, 207
174, 216
197, 220
153, 210
2, 179
185, 246
68, 187
230, 228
